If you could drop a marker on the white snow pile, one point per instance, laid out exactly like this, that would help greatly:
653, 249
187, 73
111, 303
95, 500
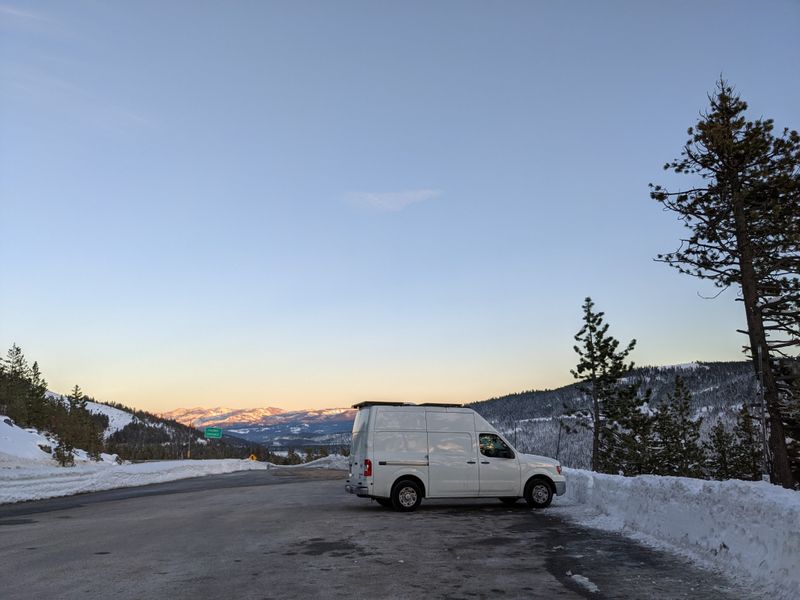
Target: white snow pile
749, 530
18, 484
334, 461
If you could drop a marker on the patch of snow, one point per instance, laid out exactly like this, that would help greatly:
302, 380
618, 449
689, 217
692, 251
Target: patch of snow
746, 529
584, 582
117, 419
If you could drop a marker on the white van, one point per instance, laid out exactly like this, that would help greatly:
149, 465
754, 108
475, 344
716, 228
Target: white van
402, 453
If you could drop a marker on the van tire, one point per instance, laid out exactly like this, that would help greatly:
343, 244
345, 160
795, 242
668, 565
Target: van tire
509, 501
538, 492
384, 502
406, 495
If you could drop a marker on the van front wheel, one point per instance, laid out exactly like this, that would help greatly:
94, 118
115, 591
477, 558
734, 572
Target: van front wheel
406, 495
538, 493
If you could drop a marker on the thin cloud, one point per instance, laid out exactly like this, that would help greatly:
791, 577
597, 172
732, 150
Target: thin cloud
391, 201
12, 11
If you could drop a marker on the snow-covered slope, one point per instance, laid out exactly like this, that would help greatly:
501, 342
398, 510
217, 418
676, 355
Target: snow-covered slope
746, 529
21, 446
117, 418
25, 448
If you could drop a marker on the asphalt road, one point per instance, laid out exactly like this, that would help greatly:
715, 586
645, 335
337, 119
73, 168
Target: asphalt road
262, 535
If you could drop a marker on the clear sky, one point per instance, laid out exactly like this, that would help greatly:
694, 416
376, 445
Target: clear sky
311, 204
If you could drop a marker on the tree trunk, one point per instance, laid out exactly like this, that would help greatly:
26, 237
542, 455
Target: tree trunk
595, 429
780, 471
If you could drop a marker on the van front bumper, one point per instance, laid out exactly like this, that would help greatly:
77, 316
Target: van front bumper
561, 488
359, 490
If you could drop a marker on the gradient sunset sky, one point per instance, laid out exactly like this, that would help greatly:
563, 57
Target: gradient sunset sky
311, 204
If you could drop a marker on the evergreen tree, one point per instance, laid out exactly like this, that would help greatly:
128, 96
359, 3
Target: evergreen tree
601, 365
747, 458
627, 437
720, 449
743, 212
679, 450
76, 399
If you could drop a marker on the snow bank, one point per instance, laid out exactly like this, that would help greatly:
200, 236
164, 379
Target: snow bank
334, 461
749, 530
34, 483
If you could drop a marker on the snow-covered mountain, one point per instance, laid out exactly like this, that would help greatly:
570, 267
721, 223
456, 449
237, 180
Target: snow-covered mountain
274, 426
221, 416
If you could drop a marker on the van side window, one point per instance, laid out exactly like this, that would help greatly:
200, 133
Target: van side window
493, 447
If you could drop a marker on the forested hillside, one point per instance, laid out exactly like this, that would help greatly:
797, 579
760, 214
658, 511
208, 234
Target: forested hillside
543, 422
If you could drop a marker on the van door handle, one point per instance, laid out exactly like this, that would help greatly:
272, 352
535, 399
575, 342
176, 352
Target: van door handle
484, 462
470, 462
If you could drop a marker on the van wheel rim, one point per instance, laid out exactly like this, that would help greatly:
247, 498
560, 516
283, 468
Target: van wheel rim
407, 497
540, 493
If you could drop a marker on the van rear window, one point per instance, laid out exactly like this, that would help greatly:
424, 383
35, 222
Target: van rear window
392, 419
361, 419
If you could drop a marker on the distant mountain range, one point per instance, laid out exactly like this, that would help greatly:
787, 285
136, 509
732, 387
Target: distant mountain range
531, 417
274, 426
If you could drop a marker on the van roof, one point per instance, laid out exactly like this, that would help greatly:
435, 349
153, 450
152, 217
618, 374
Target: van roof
378, 403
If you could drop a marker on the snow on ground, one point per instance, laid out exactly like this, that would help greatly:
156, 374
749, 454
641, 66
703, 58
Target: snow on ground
334, 461
748, 530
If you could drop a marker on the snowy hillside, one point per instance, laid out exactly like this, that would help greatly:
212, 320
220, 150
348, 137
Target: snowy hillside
534, 420
20, 448
117, 419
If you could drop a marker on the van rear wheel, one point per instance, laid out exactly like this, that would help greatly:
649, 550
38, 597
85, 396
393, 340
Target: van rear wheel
406, 495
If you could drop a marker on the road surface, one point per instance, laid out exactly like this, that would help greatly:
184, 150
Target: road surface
295, 534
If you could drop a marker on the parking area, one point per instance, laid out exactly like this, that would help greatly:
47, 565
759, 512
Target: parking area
296, 534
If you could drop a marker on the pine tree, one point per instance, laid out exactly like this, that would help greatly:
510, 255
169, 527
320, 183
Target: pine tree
601, 365
747, 457
76, 399
720, 449
743, 213
680, 452
627, 437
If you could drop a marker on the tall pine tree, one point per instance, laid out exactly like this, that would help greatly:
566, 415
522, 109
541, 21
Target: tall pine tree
743, 213
601, 365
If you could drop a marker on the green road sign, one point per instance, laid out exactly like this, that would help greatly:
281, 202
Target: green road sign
213, 432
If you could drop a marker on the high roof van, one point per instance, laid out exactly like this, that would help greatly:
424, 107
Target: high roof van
402, 453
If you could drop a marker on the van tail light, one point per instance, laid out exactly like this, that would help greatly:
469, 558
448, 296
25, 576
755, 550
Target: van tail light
558, 468
367, 467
